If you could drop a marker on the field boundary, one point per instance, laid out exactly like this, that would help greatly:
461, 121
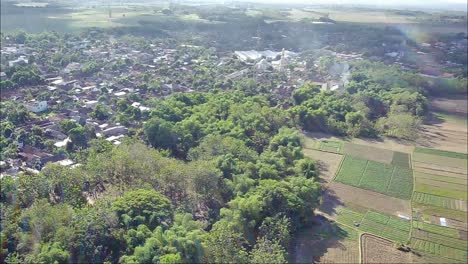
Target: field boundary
339, 166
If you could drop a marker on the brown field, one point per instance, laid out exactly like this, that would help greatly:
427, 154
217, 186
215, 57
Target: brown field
436, 169
327, 163
447, 129
444, 185
379, 250
440, 160
346, 252
325, 242
437, 176
447, 174
368, 152
462, 226
338, 194
450, 105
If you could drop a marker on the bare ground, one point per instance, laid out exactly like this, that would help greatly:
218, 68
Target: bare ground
327, 163
447, 128
338, 194
379, 250
322, 242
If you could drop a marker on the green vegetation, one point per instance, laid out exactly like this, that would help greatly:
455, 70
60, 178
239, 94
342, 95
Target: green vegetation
387, 179
436, 229
401, 185
438, 249
376, 223
439, 201
351, 170
442, 189
331, 146
401, 159
441, 153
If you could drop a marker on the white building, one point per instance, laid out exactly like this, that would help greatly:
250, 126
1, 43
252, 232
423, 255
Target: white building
22, 60
37, 107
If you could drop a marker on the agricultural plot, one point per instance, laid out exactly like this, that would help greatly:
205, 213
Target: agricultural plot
401, 159
376, 177
351, 171
368, 152
401, 185
440, 239
438, 250
439, 188
378, 250
440, 160
436, 229
440, 178
389, 227
441, 153
325, 242
379, 177
439, 201
331, 146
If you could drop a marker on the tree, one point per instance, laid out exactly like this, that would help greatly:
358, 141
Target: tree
101, 112
78, 136
267, 251
141, 206
160, 134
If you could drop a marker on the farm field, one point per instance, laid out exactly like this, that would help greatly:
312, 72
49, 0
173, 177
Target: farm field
439, 201
390, 227
358, 199
447, 130
379, 177
338, 194
325, 242
378, 250
368, 152
327, 163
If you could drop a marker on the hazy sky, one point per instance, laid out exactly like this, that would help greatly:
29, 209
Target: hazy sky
429, 4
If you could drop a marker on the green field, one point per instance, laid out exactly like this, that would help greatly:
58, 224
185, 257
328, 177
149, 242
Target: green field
441, 239
441, 153
439, 201
389, 227
438, 249
331, 146
376, 177
441, 190
441, 230
401, 159
379, 177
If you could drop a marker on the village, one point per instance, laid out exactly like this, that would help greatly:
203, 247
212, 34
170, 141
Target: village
87, 90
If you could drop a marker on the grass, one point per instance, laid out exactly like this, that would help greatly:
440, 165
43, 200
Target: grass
401, 159
349, 217
438, 249
441, 230
443, 153
331, 146
375, 176
438, 201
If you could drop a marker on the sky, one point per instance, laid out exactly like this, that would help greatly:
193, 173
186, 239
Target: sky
450, 4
